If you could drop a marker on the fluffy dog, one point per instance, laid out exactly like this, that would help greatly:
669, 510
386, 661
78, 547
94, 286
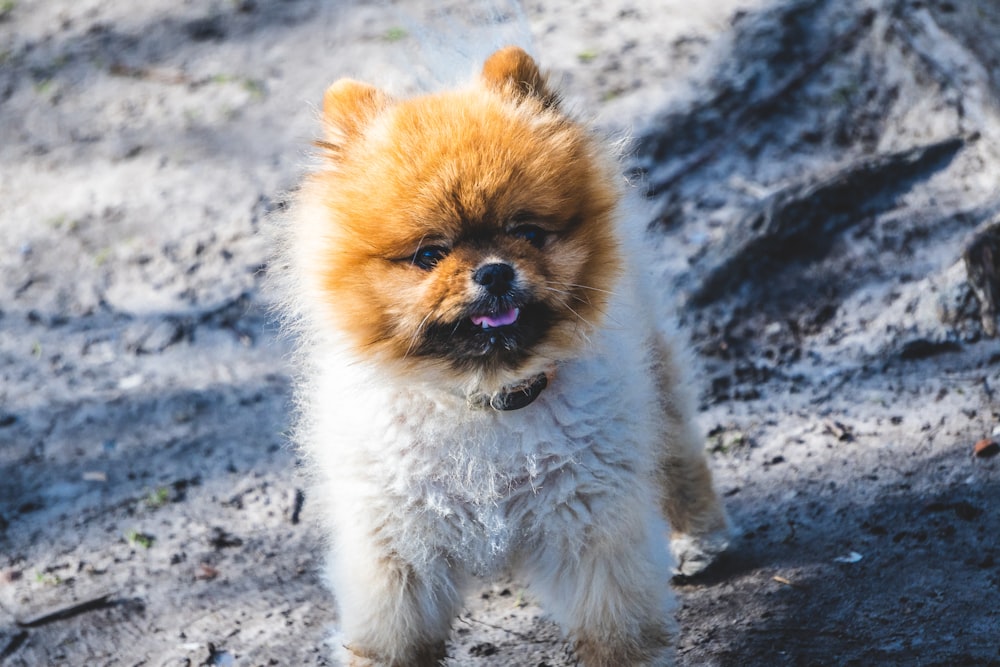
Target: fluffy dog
485, 386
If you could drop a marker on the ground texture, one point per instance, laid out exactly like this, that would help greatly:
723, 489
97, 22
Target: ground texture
823, 198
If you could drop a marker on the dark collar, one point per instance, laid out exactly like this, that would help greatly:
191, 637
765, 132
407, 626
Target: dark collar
513, 397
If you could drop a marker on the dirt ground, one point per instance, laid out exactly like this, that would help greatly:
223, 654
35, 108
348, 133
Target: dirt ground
816, 171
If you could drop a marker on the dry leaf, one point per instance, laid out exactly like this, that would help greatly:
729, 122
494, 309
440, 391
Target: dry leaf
986, 447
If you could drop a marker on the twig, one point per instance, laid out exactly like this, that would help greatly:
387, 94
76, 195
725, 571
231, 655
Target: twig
297, 504
520, 635
788, 582
93, 604
157, 74
15, 643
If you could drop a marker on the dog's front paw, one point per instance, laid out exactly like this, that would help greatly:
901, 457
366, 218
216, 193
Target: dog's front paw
694, 553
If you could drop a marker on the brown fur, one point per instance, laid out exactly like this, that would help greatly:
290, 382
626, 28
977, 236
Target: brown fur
398, 178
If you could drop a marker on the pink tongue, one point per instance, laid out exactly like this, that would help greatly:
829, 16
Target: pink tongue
496, 319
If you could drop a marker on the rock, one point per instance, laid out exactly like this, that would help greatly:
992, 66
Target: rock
982, 263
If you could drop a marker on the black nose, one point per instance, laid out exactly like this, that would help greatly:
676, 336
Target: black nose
496, 278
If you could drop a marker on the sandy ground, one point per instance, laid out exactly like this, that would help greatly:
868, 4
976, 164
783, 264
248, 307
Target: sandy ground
816, 170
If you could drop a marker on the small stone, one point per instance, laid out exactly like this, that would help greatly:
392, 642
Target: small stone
483, 649
11, 575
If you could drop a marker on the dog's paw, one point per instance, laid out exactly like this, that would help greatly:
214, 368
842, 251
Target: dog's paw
694, 553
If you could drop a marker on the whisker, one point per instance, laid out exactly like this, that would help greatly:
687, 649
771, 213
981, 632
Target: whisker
564, 293
570, 309
580, 299
586, 287
416, 332
413, 262
561, 291
565, 304
375, 341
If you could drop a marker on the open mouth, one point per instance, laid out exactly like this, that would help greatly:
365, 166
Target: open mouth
497, 319
496, 334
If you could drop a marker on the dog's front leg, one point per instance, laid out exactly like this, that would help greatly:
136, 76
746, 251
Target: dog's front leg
609, 587
393, 613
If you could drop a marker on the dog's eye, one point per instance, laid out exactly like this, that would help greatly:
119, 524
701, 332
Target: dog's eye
534, 235
428, 256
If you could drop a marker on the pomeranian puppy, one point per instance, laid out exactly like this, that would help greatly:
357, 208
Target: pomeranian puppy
485, 386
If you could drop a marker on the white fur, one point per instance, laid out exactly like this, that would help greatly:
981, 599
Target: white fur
562, 491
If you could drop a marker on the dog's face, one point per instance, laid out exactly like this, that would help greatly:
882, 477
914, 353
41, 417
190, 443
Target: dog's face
468, 233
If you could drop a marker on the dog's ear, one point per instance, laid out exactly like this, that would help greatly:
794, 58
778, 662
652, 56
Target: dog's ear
348, 107
512, 72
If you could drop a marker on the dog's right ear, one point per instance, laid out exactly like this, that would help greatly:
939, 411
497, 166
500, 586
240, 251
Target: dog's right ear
348, 107
512, 72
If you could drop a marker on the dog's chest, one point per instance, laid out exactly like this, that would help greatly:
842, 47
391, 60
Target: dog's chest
494, 481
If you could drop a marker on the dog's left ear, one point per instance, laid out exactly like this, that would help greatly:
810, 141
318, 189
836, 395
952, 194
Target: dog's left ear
512, 72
